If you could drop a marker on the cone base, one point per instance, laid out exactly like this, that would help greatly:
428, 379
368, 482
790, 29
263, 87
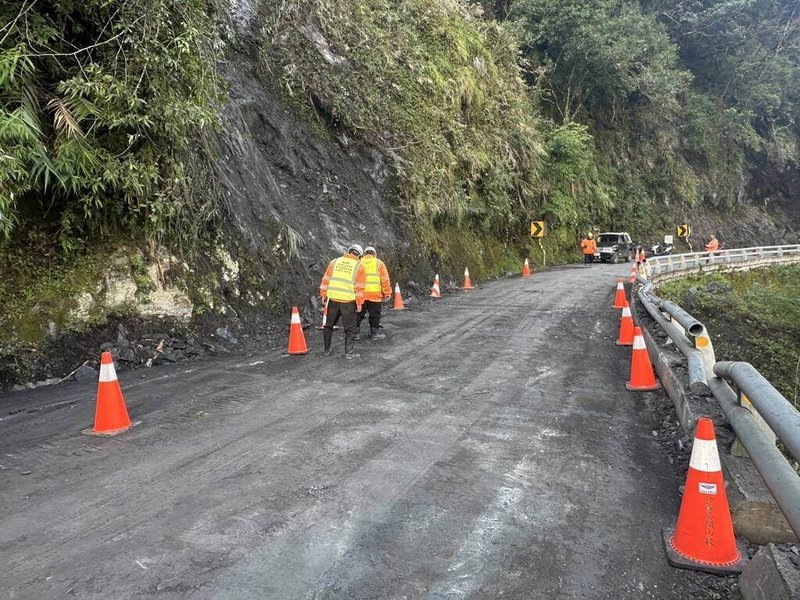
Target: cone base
677, 559
642, 388
618, 307
111, 432
298, 352
524, 276
404, 308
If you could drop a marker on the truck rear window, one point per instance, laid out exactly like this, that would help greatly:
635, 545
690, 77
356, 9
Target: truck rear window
608, 240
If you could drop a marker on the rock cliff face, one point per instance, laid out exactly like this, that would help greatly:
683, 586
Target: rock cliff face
294, 198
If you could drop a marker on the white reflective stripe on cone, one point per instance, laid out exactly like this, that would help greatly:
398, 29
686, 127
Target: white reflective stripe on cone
466, 272
619, 285
638, 343
626, 311
107, 373
295, 318
396, 288
705, 456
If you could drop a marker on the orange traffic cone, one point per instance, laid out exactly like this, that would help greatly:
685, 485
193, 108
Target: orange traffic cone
467, 282
642, 377
703, 537
435, 291
620, 298
111, 414
398, 298
526, 269
625, 337
297, 341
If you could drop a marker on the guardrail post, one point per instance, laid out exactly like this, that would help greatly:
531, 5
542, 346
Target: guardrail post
780, 251
702, 342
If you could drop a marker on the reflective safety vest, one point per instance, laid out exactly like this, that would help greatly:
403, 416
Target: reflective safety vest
371, 268
342, 285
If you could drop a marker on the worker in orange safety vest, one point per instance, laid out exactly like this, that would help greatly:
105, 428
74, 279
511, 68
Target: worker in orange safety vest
588, 247
713, 244
342, 287
377, 288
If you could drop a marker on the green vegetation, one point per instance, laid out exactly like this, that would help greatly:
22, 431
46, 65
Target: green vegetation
101, 106
596, 114
754, 316
431, 84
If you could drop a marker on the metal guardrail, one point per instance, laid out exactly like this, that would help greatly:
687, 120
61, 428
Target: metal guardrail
659, 268
758, 413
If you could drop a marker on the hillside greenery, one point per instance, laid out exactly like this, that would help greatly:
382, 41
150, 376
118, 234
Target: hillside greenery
598, 113
753, 316
103, 106
588, 114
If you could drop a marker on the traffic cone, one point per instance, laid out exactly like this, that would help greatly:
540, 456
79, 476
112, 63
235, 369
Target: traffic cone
642, 377
435, 291
526, 269
297, 341
467, 282
625, 337
634, 272
703, 537
398, 298
620, 298
111, 414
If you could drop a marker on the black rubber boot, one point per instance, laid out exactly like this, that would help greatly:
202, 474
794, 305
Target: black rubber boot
376, 333
327, 338
349, 349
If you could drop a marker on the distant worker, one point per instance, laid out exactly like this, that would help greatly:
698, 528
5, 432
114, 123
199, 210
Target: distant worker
713, 244
342, 287
377, 288
588, 247
641, 257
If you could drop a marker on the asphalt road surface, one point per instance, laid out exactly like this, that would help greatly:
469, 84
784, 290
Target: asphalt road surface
486, 449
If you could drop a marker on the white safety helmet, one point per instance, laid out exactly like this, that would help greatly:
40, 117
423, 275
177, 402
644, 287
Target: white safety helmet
370, 250
356, 249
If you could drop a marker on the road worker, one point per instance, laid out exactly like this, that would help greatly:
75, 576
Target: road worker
713, 244
588, 247
377, 288
342, 287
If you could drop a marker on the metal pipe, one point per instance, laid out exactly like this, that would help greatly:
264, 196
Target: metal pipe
698, 381
687, 321
777, 411
779, 476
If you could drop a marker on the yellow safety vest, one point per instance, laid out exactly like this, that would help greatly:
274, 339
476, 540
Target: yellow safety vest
342, 286
373, 283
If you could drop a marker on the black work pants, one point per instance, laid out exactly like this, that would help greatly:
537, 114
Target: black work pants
588, 259
373, 307
347, 311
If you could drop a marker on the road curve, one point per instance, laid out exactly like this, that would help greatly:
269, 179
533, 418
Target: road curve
487, 448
